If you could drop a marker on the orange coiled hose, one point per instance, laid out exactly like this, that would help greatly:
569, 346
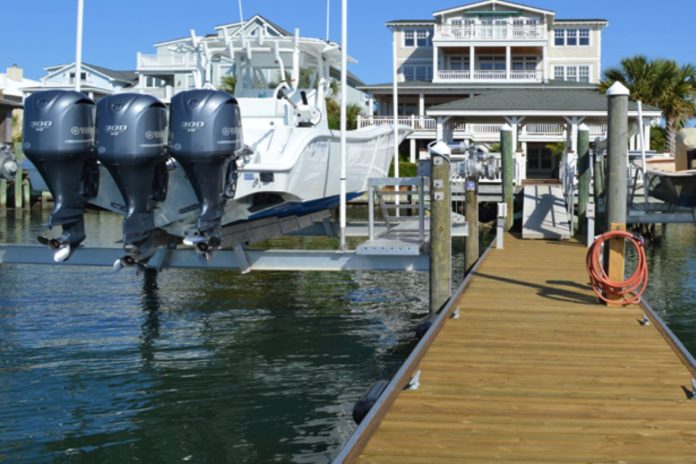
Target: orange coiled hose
630, 290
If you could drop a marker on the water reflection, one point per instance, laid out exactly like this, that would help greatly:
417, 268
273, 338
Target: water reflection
190, 365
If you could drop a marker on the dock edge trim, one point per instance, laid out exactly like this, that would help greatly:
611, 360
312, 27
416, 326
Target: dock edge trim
672, 340
367, 427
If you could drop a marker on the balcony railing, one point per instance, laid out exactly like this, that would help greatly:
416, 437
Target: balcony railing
543, 128
491, 32
161, 62
484, 75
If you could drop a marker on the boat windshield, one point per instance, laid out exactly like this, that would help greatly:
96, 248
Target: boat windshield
259, 76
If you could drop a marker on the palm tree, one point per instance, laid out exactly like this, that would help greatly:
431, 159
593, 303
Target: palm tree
661, 83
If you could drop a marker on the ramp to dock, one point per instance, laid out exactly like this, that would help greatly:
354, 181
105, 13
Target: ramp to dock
544, 214
535, 371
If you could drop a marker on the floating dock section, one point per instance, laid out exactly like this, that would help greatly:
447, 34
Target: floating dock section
531, 369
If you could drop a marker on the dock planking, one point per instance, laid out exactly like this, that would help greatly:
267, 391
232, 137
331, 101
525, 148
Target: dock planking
535, 371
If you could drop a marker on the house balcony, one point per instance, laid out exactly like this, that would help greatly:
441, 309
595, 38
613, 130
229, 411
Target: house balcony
486, 132
492, 33
446, 75
175, 62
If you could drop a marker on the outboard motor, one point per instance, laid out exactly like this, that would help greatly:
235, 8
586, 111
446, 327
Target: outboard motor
59, 140
131, 144
8, 163
205, 136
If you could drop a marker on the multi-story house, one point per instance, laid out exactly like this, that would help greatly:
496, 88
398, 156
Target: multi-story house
182, 64
481, 65
96, 81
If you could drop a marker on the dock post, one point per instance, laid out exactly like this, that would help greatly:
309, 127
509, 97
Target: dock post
500, 229
3, 195
440, 227
583, 175
472, 221
617, 177
508, 172
18, 194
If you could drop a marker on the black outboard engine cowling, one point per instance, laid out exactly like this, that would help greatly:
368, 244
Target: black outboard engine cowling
59, 140
205, 136
131, 144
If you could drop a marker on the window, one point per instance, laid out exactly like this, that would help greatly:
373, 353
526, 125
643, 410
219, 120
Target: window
559, 35
558, 73
583, 74
492, 63
571, 73
459, 63
417, 73
409, 39
423, 39
584, 37
83, 77
571, 37
524, 63
407, 109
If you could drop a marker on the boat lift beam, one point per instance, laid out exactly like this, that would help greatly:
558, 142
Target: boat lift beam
256, 260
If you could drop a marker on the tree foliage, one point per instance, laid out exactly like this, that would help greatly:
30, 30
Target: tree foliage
229, 83
333, 115
658, 82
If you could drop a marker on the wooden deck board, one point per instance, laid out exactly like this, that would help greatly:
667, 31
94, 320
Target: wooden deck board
535, 371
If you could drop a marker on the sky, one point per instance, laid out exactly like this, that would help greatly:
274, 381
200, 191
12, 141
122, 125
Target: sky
39, 33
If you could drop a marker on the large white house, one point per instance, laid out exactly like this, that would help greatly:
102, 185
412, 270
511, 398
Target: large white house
481, 65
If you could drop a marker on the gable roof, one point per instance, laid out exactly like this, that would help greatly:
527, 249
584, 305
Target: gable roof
257, 17
468, 6
128, 77
514, 102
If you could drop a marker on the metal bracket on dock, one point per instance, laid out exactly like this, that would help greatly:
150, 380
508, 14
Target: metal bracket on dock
414, 382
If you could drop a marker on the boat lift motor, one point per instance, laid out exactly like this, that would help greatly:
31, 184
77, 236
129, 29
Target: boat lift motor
8, 163
478, 164
131, 144
59, 141
205, 139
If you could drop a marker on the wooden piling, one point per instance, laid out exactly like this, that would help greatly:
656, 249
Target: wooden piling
440, 231
472, 221
617, 179
18, 194
584, 163
508, 172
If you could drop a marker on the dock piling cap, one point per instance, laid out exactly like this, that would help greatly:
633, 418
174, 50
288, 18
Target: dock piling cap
618, 90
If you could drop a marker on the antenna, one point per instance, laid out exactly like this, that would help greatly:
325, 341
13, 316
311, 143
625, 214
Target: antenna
241, 20
344, 95
78, 45
328, 19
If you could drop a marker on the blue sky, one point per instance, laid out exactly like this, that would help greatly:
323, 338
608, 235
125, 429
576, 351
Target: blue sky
38, 33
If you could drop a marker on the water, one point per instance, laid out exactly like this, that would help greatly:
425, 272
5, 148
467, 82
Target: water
197, 366
193, 366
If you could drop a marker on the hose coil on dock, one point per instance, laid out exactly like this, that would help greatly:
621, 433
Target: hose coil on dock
630, 290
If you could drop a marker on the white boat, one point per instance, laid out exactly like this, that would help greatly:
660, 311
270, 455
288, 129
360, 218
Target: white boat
289, 163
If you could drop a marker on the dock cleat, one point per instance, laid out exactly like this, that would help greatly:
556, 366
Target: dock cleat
58, 138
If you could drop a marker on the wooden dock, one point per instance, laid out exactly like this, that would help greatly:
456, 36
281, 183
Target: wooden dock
535, 371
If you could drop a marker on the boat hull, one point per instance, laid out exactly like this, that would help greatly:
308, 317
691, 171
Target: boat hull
302, 179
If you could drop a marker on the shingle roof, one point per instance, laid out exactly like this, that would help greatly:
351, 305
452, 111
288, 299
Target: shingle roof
534, 100
125, 76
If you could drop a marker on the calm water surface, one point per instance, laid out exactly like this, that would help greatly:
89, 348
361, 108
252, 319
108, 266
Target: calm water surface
190, 366
210, 366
